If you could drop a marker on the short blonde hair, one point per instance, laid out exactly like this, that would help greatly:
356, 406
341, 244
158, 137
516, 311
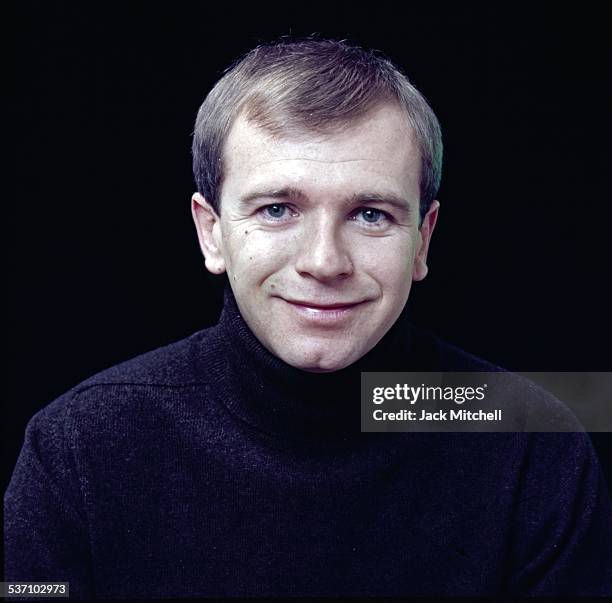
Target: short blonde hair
309, 85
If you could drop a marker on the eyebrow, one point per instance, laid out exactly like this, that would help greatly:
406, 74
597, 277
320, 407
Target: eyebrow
287, 192
293, 194
389, 198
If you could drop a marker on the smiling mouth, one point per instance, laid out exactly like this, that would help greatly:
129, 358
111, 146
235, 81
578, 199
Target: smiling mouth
326, 316
323, 307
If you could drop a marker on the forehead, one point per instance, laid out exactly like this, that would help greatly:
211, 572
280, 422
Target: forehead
378, 149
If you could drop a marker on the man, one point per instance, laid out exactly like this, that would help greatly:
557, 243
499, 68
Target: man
232, 463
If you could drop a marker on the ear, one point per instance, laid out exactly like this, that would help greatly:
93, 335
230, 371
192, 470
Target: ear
208, 225
419, 271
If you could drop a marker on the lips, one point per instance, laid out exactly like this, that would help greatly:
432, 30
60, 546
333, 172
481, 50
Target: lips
316, 306
318, 315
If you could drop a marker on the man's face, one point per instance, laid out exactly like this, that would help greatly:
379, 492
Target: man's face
319, 236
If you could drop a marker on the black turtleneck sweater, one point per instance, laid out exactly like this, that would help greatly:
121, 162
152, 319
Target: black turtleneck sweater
210, 467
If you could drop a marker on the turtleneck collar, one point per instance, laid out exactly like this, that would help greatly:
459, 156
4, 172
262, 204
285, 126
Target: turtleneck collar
281, 400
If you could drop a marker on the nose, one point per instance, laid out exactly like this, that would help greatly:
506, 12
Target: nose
322, 254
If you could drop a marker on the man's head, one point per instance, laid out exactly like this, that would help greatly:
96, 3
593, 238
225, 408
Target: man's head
317, 164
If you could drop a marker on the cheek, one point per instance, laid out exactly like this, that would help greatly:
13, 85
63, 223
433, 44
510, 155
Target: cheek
389, 260
256, 253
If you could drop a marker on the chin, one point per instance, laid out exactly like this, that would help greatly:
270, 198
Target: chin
319, 361
316, 369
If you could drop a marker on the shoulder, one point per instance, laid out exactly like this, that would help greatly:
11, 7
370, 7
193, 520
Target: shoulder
146, 383
534, 408
174, 364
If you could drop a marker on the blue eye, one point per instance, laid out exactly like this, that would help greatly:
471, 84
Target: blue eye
276, 211
371, 215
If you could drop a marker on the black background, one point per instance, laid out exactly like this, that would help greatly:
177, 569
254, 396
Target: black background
103, 257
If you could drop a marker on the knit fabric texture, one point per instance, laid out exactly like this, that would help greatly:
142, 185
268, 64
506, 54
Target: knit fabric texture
210, 467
